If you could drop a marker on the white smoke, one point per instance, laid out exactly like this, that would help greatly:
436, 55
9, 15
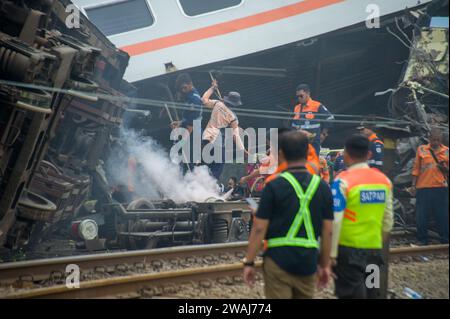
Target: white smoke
160, 176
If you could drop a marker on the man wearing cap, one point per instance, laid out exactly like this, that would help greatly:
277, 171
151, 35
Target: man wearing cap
311, 116
222, 117
376, 145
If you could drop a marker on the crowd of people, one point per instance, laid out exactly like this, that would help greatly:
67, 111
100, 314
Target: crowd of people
313, 231
320, 217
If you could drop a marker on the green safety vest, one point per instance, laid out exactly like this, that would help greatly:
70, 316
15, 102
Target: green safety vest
366, 198
303, 216
363, 228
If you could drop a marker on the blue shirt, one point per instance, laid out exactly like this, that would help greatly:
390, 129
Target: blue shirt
377, 149
195, 110
339, 164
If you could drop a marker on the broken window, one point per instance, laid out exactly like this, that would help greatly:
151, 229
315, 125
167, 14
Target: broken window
121, 16
197, 7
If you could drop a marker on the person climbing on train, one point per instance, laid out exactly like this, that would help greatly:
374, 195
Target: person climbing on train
222, 116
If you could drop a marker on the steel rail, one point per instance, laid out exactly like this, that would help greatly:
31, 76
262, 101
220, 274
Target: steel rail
418, 250
126, 285
41, 269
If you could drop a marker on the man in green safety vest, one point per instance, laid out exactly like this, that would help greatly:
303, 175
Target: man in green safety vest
294, 211
363, 217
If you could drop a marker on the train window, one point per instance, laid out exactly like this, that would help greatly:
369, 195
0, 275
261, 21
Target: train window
198, 7
121, 16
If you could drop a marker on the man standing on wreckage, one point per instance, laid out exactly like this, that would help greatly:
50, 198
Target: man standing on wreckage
189, 95
222, 117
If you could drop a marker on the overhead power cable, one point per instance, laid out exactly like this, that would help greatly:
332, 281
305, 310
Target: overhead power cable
245, 112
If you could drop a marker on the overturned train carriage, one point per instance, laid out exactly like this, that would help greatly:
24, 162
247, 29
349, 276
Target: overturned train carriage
54, 132
61, 108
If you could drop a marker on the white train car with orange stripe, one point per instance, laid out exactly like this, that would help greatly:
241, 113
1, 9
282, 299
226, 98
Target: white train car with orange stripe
163, 35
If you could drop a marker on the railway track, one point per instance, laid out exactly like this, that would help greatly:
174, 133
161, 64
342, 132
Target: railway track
44, 269
164, 282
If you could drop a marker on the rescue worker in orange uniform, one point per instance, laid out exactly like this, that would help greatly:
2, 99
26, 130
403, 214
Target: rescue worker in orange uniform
376, 145
430, 184
311, 116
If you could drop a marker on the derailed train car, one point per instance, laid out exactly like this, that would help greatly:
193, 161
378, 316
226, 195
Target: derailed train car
54, 132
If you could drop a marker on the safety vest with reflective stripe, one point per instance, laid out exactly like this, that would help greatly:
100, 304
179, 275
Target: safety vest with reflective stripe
303, 216
367, 194
310, 108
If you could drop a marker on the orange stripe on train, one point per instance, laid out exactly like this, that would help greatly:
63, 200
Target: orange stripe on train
228, 27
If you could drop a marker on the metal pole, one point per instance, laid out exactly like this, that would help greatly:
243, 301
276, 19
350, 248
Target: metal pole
217, 89
182, 151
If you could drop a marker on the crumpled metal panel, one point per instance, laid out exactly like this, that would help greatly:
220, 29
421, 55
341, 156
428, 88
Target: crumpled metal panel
432, 47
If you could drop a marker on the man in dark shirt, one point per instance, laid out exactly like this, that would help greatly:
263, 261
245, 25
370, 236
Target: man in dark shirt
189, 95
295, 210
192, 98
376, 145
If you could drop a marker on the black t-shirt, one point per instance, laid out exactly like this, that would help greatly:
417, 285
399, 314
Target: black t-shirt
279, 204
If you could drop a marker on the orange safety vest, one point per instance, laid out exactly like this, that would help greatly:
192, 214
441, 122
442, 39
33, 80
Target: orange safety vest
281, 168
375, 138
312, 165
310, 108
313, 162
425, 167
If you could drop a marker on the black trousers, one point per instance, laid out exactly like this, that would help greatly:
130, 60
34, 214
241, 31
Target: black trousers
352, 271
432, 201
216, 168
